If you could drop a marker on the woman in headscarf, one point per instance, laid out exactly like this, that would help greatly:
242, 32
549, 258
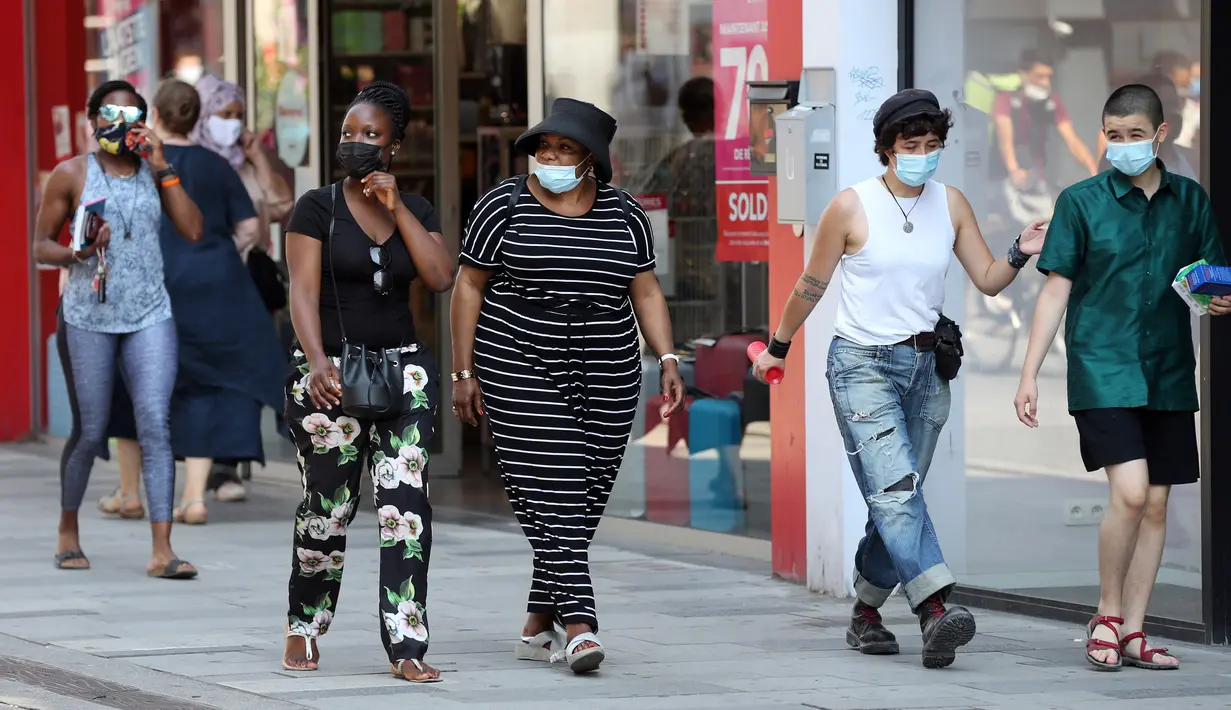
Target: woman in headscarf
221, 129
554, 268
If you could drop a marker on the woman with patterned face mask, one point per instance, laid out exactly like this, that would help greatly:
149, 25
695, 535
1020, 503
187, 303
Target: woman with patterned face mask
230, 361
115, 308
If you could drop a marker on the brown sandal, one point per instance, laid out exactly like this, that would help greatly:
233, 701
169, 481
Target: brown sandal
1093, 644
1146, 660
425, 676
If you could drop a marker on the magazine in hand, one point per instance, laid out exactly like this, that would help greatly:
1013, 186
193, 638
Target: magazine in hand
86, 223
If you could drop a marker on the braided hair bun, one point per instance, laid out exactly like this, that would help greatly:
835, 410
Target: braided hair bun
392, 99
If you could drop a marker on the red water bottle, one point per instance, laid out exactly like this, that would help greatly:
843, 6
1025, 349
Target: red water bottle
774, 374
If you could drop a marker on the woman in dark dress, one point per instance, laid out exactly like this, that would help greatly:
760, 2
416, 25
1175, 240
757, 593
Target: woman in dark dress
557, 273
353, 249
230, 362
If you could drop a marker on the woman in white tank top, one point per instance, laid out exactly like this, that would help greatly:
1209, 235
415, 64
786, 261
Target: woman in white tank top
894, 235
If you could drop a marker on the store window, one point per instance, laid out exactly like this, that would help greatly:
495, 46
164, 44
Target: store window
191, 39
145, 41
281, 118
1032, 510
673, 73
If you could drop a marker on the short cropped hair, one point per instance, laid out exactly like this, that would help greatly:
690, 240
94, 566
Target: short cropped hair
95, 104
1135, 100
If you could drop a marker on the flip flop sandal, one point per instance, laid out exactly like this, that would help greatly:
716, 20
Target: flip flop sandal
581, 661
1093, 644
397, 671
62, 557
172, 570
1146, 660
539, 647
308, 643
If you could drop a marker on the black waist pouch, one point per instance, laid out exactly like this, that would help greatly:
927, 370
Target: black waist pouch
948, 351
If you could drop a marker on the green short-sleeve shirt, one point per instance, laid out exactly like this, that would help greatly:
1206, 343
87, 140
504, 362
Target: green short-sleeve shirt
1128, 333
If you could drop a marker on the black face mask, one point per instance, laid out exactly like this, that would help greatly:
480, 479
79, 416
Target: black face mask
113, 138
360, 159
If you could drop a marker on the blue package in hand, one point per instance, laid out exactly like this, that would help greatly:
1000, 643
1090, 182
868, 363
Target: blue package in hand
1209, 280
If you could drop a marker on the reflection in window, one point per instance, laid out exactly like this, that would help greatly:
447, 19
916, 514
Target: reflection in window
1034, 87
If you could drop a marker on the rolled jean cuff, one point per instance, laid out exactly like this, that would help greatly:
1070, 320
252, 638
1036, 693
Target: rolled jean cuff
871, 594
936, 578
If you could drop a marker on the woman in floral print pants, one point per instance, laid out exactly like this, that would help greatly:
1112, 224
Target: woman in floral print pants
354, 250
332, 451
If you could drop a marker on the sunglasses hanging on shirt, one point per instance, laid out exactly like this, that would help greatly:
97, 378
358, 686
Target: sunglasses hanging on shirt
379, 253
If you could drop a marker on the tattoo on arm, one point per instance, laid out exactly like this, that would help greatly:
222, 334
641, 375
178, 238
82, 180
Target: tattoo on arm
809, 296
814, 282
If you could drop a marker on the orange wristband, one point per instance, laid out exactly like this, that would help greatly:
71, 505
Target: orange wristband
171, 181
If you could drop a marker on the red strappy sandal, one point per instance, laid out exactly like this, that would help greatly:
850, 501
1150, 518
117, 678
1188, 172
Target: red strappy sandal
1146, 660
1093, 644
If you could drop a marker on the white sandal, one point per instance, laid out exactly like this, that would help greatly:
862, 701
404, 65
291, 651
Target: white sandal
308, 642
581, 661
396, 669
539, 647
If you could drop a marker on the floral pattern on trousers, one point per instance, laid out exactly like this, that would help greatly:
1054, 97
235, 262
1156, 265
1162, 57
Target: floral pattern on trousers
332, 450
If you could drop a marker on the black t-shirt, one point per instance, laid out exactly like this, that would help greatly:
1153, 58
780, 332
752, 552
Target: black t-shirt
370, 319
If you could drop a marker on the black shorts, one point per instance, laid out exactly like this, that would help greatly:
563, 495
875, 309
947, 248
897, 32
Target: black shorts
1166, 440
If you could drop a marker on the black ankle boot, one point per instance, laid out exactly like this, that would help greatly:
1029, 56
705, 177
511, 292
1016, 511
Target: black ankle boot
944, 631
868, 634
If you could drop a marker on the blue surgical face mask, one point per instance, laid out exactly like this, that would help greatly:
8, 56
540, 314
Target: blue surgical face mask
914, 170
1132, 159
558, 178
1194, 89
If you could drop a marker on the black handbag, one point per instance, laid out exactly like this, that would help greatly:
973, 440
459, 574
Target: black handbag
371, 379
949, 350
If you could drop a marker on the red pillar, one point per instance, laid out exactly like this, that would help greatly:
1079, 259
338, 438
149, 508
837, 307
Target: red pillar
788, 466
60, 81
15, 276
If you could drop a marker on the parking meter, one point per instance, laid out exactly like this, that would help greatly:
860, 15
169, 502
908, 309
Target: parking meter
806, 141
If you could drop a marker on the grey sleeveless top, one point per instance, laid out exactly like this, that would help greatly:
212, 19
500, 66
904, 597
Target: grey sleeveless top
136, 295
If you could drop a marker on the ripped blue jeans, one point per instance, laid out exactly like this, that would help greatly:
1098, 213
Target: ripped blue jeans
891, 405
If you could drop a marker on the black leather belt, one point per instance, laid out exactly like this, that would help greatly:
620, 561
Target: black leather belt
923, 341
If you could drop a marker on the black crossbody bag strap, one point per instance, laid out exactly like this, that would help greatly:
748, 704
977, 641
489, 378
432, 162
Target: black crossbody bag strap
333, 280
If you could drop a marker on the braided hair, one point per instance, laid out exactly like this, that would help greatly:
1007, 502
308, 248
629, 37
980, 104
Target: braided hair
392, 99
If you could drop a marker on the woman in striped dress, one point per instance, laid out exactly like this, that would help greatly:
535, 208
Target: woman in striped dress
554, 266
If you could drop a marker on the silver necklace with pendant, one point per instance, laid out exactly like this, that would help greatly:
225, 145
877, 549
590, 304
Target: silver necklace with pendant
907, 225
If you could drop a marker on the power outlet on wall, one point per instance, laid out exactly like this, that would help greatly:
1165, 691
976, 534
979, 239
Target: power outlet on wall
1084, 511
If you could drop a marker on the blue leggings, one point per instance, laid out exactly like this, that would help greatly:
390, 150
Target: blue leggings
147, 360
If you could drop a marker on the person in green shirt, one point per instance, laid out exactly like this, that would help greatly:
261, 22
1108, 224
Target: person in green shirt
1115, 244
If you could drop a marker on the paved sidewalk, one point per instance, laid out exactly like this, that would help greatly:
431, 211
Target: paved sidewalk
681, 634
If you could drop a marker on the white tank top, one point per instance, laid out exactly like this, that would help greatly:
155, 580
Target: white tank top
894, 287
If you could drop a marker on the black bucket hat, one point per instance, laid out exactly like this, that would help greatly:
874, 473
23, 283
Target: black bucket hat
585, 123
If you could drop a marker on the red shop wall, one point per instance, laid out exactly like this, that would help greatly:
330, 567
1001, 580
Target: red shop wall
15, 247
788, 467
59, 81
